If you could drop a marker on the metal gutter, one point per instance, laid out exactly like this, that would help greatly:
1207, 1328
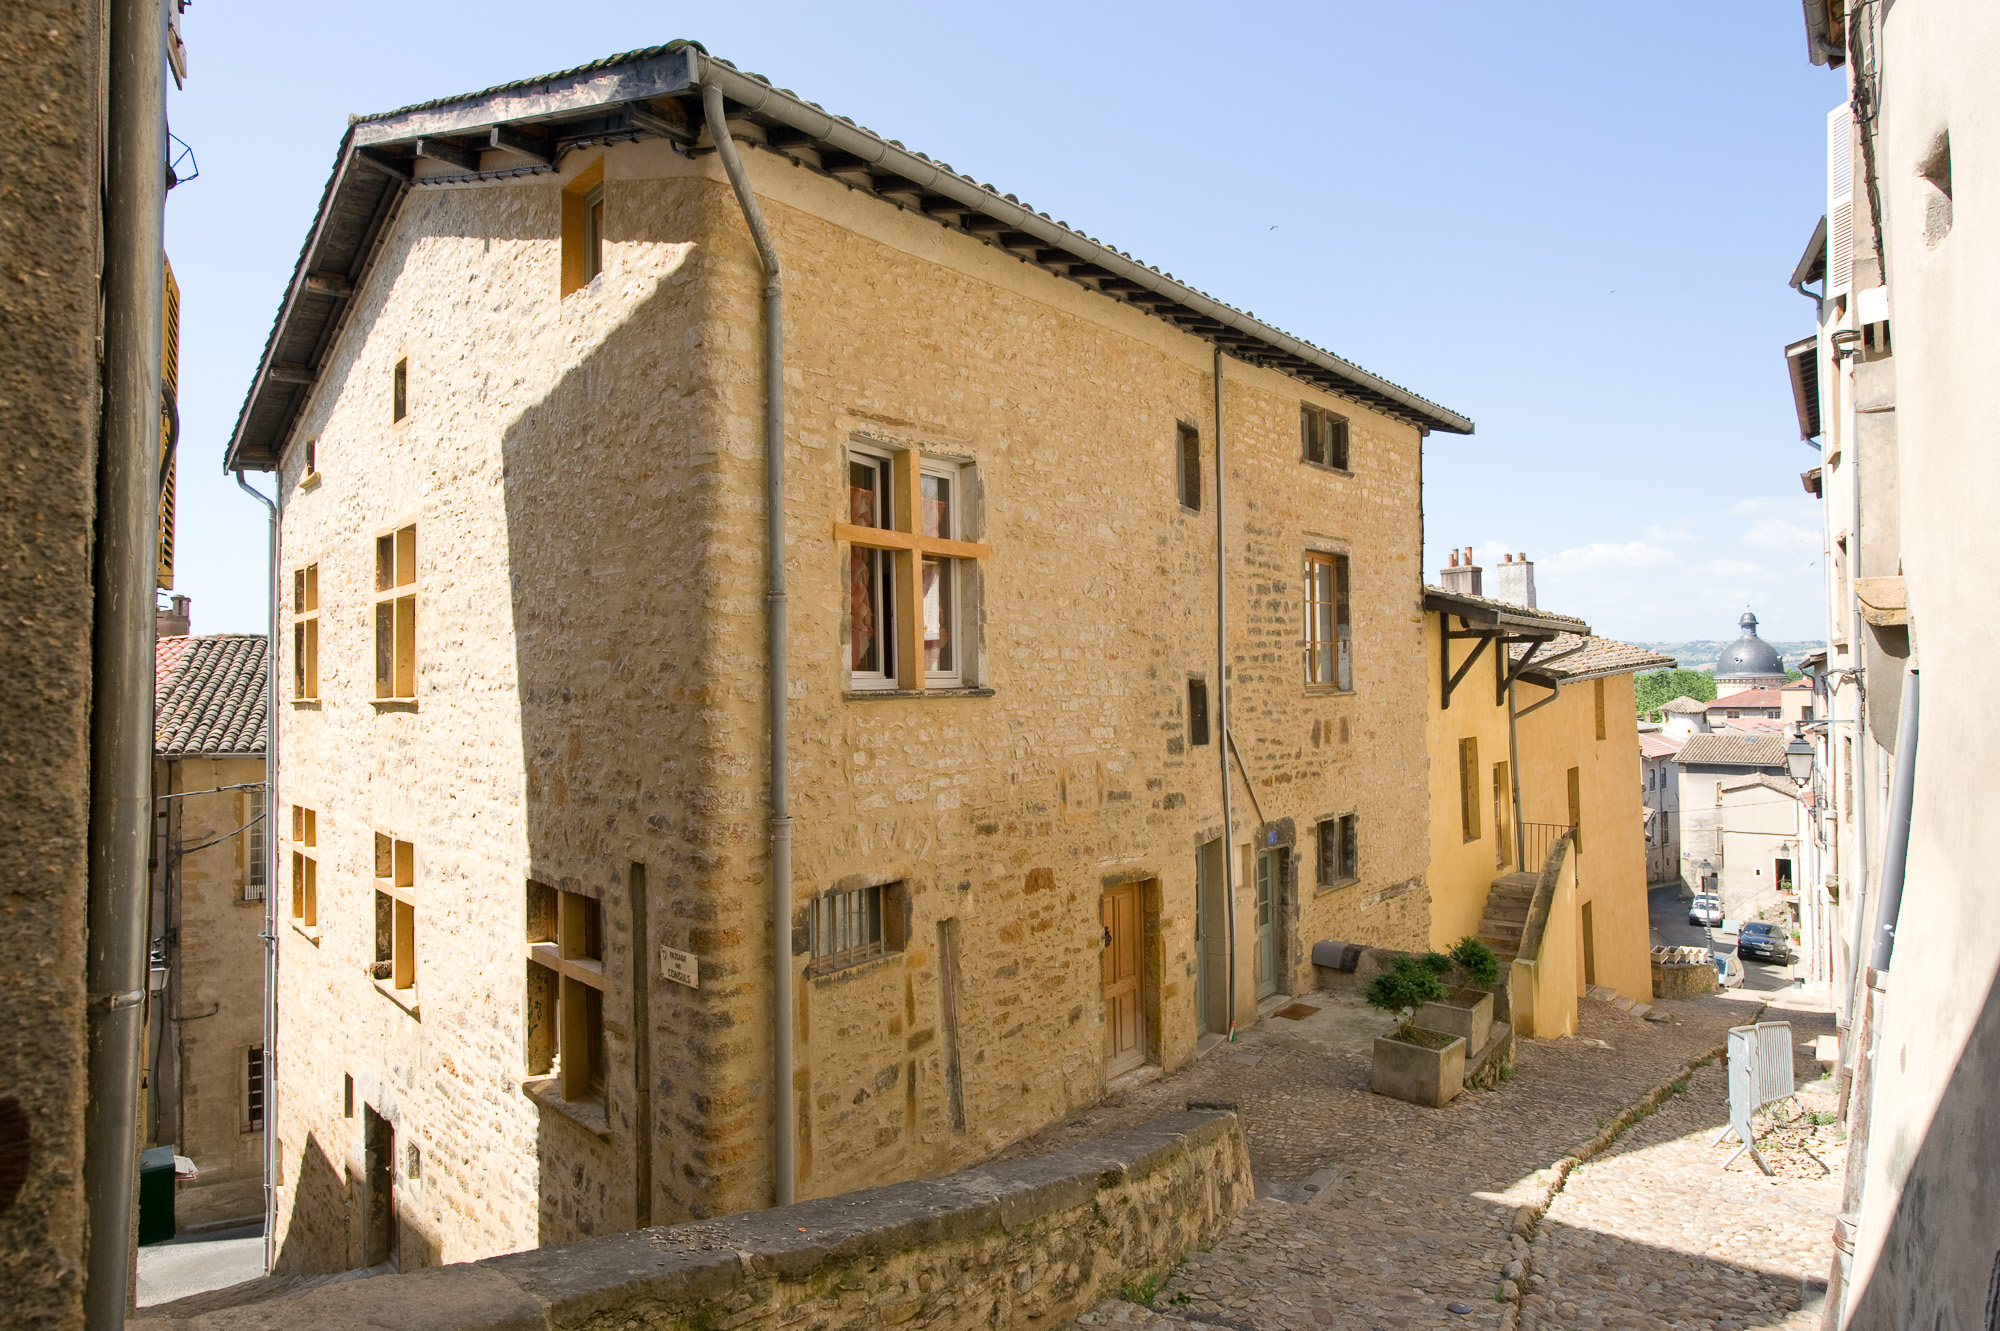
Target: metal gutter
777, 691
122, 643
269, 936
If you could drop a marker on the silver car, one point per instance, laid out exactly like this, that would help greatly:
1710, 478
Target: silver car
1705, 909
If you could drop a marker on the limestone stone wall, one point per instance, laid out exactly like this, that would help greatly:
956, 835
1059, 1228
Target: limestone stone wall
214, 1005
586, 476
49, 383
1027, 1243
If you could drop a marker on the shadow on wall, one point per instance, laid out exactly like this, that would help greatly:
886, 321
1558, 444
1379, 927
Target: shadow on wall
611, 578
1940, 1261
319, 1238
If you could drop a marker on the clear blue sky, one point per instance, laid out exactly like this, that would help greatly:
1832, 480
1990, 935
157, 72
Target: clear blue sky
1570, 221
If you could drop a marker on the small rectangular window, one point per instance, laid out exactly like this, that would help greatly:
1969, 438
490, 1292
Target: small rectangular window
1188, 462
1322, 437
593, 233
1329, 639
566, 984
399, 391
1600, 707
910, 571
1197, 711
396, 615
871, 574
1338, 856
1576, 805
305, 633
1503, 826
305, 867
254, 832
253, 1088
395, 912
1468, 788
850, 927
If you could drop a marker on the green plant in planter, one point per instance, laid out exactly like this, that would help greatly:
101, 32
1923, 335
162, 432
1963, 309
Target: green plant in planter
1406, 986
1478, 962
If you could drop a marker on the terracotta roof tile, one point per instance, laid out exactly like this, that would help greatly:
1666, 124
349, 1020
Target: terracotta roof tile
1733, 751
1750, 698
211, 699
1657, 746
1685, 704
1573, 656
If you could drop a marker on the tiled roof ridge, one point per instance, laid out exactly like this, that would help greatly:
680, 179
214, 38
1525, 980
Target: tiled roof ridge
1498, 604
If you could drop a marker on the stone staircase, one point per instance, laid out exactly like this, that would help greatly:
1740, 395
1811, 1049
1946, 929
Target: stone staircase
1506, 915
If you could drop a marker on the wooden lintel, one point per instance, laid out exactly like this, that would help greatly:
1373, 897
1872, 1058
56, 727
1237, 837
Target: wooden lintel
528, 145
437, 150
882, 538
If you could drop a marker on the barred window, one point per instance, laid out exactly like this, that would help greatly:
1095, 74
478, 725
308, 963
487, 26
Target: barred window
850, 927
253, 1088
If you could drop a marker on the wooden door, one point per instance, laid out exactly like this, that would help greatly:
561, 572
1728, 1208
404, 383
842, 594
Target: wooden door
1267, 924
1201, 894
1124, 1015
1589, 946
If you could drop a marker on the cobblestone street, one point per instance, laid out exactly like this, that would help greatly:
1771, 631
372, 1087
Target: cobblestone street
1376, 1213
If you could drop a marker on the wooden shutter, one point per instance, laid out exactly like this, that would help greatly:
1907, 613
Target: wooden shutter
1839, 200
170, 374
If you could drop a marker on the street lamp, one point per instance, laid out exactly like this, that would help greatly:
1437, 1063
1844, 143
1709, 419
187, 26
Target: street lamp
1799, 760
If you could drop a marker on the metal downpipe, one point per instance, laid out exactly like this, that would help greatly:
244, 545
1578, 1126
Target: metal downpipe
774, 601
270, 934
1896, 836
121, 712
1222, 700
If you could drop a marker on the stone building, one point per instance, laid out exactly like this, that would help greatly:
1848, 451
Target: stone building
205, 1032
1707, 763
514, 400
1660, 782
1503, 795
1895, 386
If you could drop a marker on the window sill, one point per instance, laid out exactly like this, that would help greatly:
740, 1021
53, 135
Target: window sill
1329, 691
405, 999
1325, 888
861, 695
394, 704
1327, 467
848, 969
308, 932
309, 481
305, 704
586, 1114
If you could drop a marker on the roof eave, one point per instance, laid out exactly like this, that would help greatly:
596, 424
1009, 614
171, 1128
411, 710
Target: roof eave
1477, 612
678, 70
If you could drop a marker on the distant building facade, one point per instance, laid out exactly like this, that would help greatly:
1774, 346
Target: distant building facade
1659, 776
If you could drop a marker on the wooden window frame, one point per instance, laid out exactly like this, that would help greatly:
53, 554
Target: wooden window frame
305, 633
1187, 465
396, 597
909, 548
593, 231
1324, 439
567, 988
399, 390
1340, 622
305, 870
395, 899
574, 259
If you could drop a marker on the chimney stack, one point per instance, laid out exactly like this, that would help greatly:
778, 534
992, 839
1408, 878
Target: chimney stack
175, 621
1514, 581
1462, 576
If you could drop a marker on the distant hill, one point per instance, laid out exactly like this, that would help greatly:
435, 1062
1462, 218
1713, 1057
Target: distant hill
1703, 655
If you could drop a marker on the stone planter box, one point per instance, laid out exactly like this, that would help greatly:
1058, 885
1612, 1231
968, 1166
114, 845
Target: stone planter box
1468, 1014
1422, 1076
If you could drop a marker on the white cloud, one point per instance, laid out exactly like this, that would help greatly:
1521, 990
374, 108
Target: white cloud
1609, 555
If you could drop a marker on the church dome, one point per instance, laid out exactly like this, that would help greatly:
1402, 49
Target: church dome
1749, 657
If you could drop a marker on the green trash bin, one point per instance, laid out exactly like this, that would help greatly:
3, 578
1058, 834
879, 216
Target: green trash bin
156, 1195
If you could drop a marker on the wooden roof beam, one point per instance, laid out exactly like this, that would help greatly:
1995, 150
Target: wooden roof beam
437, 150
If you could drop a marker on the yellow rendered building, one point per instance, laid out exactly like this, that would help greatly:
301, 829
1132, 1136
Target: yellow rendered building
1537, 832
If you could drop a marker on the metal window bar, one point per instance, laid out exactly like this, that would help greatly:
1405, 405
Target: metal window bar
253, 1064
847, 928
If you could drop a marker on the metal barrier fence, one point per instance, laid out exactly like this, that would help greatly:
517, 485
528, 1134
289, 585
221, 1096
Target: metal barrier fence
1537, 840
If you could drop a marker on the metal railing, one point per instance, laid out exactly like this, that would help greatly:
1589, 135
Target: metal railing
1537, 840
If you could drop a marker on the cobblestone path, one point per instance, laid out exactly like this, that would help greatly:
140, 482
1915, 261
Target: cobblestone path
1373, 1213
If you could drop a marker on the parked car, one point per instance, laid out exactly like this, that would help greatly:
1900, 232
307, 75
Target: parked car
1705, 909
1764, 941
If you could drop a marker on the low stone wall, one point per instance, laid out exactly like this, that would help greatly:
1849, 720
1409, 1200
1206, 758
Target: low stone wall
1024, 1243
1682, 972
